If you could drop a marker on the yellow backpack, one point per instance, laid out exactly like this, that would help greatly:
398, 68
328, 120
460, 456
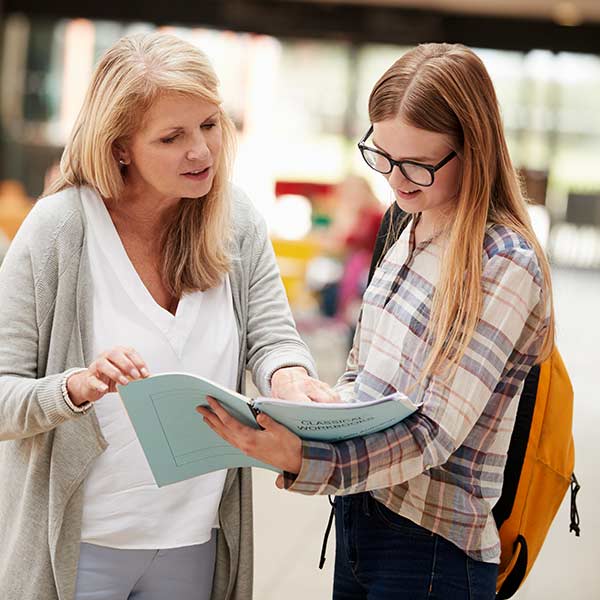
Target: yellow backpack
538, 472
541, 456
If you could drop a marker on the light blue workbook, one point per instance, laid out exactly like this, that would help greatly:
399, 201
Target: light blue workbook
179, 445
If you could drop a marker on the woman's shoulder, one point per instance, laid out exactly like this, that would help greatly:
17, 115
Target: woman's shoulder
54, 222
246, 219
49, 243
502, 241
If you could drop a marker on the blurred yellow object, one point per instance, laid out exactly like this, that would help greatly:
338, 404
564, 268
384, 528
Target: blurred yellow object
293, 257
14, 206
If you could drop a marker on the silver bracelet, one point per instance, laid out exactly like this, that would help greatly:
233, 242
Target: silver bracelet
65, 392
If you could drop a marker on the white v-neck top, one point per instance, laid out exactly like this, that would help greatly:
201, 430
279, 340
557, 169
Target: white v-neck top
123, 507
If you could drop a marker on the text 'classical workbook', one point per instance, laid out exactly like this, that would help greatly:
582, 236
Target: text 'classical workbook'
179, 445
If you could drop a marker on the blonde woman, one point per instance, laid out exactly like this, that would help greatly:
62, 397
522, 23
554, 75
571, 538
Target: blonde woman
142, 259
457, 312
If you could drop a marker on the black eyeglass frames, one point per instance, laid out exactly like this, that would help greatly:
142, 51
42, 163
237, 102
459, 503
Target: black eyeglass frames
419, 173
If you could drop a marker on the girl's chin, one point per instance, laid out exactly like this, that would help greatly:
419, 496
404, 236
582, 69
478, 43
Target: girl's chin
407, 207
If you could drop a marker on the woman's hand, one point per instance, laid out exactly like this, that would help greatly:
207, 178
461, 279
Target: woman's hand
274, 445
119, 365
296, 385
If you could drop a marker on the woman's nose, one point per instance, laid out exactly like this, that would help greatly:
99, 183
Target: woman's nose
199, 150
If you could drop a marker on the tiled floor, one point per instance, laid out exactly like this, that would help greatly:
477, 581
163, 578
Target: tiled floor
289, 528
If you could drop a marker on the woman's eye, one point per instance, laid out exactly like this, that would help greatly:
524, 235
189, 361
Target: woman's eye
208, 125
169, 140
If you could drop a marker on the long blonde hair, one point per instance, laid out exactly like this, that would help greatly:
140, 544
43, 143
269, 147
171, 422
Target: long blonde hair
129, 78
445, 88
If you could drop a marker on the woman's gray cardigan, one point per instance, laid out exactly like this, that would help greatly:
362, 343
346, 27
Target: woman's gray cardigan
46, 450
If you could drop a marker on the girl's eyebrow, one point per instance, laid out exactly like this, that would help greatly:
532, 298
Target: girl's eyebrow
425, 159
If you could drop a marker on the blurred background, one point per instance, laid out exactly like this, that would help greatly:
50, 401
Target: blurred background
295, 77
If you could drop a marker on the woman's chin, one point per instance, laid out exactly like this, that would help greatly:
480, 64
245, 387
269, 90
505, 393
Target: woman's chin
196, 189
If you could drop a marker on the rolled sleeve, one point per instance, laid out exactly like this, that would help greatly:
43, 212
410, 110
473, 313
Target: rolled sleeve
318, 464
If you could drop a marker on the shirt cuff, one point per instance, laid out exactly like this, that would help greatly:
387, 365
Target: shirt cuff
82, 408
318, 465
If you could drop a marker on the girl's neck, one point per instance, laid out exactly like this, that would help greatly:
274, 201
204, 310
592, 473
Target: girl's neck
429, 225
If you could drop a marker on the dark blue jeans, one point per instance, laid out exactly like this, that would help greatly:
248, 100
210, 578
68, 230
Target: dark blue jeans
382, 556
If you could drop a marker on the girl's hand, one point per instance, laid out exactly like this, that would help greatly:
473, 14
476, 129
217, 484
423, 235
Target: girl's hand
117, 366
296, 385
274, 445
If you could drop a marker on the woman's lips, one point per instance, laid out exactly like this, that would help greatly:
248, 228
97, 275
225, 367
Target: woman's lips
197, 175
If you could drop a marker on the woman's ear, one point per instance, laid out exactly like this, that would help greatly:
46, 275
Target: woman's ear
121, 154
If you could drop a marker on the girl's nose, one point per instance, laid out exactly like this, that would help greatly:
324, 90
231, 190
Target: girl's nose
397, 178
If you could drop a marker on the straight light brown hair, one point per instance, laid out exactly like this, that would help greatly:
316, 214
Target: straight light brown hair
129, 78
445, 88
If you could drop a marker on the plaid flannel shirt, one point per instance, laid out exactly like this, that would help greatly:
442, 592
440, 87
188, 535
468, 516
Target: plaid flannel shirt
443, 466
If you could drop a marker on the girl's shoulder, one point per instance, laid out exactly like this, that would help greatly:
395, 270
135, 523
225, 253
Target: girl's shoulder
503, 242
502, 239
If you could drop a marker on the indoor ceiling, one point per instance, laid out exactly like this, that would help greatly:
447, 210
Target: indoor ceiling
564, 12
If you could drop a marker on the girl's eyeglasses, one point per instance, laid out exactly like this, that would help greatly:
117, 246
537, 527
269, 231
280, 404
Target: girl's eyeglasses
419, 173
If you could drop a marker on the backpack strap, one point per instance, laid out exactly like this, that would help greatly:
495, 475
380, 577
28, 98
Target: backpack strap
392, 225
517, 447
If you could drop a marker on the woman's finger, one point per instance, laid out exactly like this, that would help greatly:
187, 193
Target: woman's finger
97, 384
318, 391
106, 369
94, 388
121, 360
318, 395
279, 482
137, 360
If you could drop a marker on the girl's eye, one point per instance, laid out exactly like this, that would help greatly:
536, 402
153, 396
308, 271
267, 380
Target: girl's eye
169, 140
209, 125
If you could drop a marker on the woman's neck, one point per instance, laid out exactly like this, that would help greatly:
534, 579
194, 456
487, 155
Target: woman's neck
142, 215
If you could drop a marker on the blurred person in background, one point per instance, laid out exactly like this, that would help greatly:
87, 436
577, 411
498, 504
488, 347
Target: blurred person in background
143, 259
458, 311
352, 237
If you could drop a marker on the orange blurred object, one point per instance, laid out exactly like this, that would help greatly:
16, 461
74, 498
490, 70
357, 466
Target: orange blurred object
14, 206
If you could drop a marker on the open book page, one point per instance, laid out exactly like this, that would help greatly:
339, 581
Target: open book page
179, 445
